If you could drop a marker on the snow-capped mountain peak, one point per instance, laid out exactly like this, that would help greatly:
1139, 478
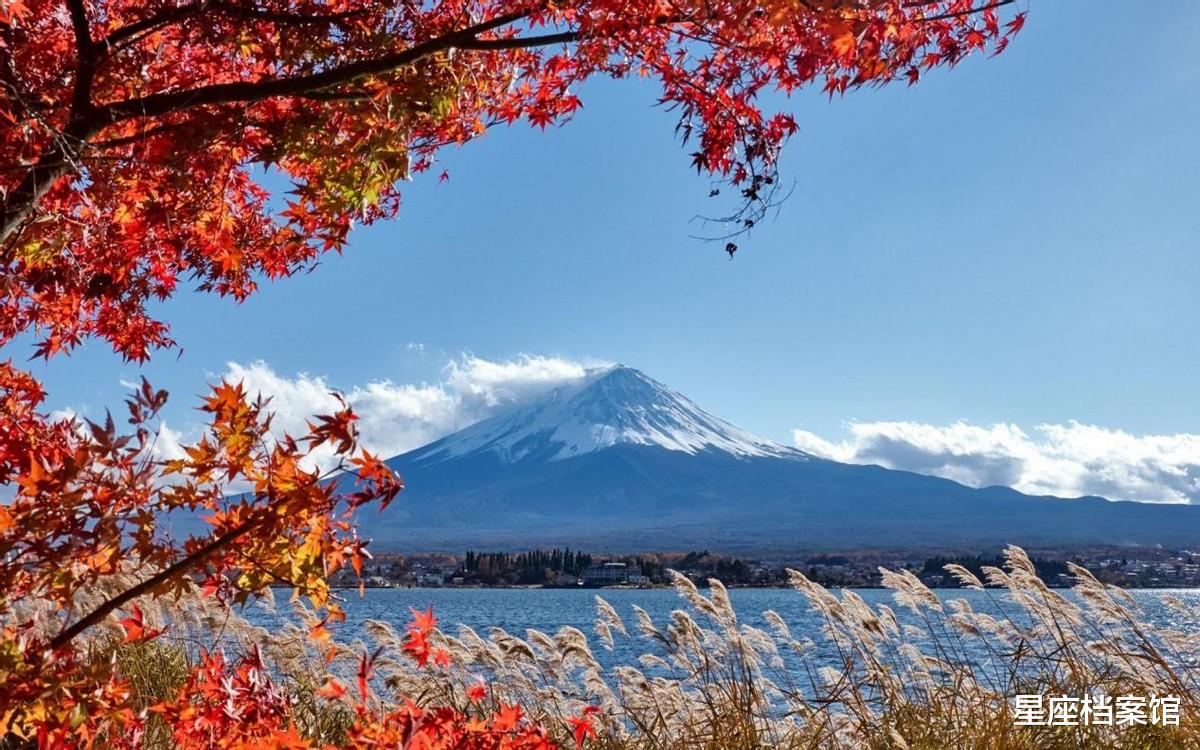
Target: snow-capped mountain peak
609, 406
617, 461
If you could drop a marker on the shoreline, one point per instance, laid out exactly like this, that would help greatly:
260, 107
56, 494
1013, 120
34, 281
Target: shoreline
666, 587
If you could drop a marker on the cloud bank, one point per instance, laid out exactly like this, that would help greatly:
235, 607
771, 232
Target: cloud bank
1067, 460
398, 417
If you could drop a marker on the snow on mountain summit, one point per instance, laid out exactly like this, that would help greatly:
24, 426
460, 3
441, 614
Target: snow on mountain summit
609, 406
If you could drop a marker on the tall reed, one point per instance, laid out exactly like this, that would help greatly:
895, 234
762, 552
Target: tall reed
922, 672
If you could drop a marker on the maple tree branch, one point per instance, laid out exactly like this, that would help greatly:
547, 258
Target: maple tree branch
183, 12
337, 96
151, 22
101, 157
154, 105
260, 14
79, 23
81, 98
10, 81
521, 42
135, 138
150, 584
88, 119
968, 12
58, 161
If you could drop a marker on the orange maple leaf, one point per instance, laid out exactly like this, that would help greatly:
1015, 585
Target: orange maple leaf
332, 689
506, 718
423, 621
135, 628
844, 45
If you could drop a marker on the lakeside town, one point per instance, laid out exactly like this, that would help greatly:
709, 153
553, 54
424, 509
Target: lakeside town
566, 568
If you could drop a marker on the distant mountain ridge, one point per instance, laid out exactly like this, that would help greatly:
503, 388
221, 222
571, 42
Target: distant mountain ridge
621, 462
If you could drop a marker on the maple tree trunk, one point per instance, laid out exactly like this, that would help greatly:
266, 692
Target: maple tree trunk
21, 202
64, 154
55, 163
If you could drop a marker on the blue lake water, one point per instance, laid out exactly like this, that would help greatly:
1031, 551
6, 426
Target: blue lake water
516, 610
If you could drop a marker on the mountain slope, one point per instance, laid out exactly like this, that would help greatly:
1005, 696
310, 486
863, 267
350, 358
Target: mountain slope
611, 406
619, 461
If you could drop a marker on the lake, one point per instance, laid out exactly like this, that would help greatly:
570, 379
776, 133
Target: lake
517, 610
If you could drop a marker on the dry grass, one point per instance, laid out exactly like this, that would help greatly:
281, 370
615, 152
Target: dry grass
941, 677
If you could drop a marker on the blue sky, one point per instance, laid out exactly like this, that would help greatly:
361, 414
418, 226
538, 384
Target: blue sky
1013, 241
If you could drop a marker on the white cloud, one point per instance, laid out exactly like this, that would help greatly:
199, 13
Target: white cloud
1066, 460
66, 412
393, 417
398, 417
483, 385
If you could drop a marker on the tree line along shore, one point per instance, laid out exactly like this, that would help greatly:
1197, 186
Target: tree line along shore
568, 568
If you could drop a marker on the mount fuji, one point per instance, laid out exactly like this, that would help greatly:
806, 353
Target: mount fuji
611, 406
620, 462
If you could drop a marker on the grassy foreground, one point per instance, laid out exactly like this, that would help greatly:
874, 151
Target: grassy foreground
945, 677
